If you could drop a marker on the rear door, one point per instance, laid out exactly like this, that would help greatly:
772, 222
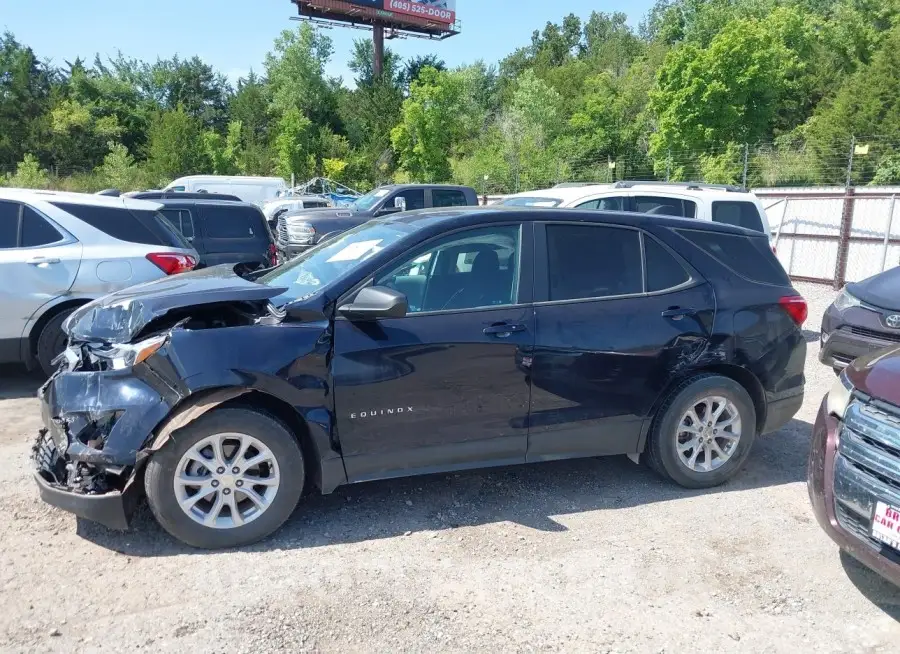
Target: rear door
617, 314
39, 262
233, 234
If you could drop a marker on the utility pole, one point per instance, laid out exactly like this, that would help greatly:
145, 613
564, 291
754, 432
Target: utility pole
378, 43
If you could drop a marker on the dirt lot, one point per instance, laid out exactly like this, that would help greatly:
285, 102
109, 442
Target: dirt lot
593, 556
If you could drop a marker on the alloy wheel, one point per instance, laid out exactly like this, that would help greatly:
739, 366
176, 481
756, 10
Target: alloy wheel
708, 434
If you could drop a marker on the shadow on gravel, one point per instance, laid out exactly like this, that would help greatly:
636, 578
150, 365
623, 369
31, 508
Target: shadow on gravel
811, 336
529, 495
879, 591
16, 383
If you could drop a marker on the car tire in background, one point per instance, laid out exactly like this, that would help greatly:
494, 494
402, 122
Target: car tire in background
230, 478
51, 341
702, 434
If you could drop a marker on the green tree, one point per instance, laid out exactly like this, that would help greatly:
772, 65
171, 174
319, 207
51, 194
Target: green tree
29, 174
25, 87
295, 70
293, 146
118, 169
175, 145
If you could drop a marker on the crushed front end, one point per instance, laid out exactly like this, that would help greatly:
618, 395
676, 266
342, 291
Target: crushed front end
97, 420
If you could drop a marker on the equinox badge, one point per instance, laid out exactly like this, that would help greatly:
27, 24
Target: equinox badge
380, 412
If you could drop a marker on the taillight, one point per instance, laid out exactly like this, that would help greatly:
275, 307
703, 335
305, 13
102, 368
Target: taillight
273, 255
796, 308
172, 263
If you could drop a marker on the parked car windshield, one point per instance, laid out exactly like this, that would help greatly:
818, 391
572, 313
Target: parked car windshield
370, 199
329, 262
530, 202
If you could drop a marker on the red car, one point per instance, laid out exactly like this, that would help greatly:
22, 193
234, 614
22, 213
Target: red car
854, 462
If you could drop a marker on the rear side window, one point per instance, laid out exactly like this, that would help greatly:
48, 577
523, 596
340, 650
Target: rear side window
36, 231
587, 261
9, 224
739, 214
181, 220
118, 222
749, 257
660, 206
663, 269
448, 198
231, 222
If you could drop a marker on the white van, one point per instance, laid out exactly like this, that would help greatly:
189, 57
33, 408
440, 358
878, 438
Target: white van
256, 190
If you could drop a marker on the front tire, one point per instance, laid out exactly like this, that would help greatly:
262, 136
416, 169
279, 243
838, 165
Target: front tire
228, 479
703, 433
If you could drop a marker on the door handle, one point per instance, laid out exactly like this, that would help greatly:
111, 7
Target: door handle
677, 313
37, 261
504, 330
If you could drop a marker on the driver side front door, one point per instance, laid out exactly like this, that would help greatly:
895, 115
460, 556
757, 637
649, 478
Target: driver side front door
447, 386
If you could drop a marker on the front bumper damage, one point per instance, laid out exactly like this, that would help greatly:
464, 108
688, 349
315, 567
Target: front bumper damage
94, 443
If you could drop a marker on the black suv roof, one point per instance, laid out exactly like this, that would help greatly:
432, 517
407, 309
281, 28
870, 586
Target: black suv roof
168, 202
462, 216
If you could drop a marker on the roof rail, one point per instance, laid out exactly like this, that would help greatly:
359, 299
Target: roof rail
695, 186
579, 184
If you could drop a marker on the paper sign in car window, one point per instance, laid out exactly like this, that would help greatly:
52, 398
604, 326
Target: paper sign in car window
306, 278
356, 251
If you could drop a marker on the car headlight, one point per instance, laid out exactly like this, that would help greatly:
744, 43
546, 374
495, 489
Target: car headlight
301, 232
846, 301
129, 355
839, 396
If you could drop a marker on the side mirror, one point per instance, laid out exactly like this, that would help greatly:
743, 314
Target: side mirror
400, 203
376, 302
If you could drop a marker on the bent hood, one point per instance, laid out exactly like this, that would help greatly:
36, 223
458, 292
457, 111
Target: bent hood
882, 291
120, 316
878, 375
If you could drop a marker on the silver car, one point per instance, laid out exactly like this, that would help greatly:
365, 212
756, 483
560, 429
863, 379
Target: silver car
59, 251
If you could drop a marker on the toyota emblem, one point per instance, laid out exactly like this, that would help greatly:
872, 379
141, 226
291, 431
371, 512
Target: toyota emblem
893, 321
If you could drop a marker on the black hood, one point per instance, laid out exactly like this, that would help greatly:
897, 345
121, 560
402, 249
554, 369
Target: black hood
120, 316
882, 291
317, 214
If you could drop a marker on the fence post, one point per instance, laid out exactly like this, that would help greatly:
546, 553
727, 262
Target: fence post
781, 224
668, 163
887, 233
850, 162
840, 270
746, 161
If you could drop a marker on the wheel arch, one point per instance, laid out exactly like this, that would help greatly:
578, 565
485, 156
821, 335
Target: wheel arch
29, 344
742, 376
203, 401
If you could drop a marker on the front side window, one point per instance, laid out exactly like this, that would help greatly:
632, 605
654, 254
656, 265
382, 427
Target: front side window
592, 261
180, 220
415, 198
470, 270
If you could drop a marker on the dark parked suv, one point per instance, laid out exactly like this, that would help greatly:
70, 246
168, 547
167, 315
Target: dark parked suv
421, 343
298, 231
223, 231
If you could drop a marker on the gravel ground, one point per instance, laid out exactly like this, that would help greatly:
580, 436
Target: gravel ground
597, 556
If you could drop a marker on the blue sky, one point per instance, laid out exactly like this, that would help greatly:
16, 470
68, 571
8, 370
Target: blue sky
235, 35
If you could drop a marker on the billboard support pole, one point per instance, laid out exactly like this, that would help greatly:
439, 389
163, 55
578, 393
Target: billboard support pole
378, 42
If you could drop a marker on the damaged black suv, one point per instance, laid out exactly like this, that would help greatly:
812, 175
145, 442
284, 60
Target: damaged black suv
420, 343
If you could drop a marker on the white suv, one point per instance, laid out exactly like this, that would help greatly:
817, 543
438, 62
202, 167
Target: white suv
59, 251
722, 204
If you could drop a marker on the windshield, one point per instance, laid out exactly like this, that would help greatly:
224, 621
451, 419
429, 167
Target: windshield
370, 199
329, 262
530, 202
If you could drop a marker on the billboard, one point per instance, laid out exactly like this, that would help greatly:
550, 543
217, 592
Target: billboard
441, 11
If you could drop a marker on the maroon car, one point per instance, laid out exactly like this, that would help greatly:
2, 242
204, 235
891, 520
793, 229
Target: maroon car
854, 462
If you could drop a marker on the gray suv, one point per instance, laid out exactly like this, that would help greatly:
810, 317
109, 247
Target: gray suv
59, 251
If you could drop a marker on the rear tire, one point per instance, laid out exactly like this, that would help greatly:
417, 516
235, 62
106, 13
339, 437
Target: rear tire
710, 448
52, 341
221, 508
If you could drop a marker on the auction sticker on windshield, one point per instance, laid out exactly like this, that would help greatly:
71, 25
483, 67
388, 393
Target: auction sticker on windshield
356, 251
886, 525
